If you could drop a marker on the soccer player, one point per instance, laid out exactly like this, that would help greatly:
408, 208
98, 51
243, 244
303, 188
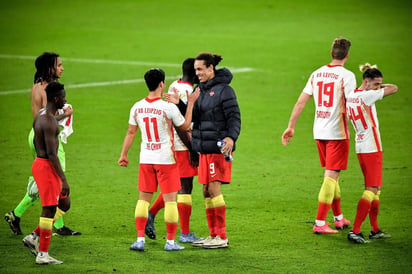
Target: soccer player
329, 85
186, 159
362, 113
51, 181
157, 164
49, 68
216, 116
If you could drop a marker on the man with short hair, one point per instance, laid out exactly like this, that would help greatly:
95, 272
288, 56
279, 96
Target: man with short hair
51, 181
157, 165
187, 160
329, 85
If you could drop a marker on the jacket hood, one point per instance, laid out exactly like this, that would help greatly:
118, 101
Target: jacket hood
222, 76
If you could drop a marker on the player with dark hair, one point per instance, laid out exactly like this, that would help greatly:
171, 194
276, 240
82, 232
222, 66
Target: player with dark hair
157, 164
362, 112
186, 159
216, 117
49, 176
329, 85
49, 68
46, 69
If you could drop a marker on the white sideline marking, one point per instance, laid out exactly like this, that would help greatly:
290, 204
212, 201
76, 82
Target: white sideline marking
97, 61
85, 85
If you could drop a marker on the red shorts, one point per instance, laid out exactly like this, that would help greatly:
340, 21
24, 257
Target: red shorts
333, 154
371, 165
166, 176
183, 161
47, 180
213, 167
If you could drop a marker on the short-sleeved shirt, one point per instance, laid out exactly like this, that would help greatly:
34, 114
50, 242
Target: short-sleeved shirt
361, 109
183, 88
155, 119
329, 85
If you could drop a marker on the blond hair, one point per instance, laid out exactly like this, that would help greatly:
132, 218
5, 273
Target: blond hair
367, 66
370, 71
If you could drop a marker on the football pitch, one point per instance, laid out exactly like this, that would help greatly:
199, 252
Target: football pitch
271, 47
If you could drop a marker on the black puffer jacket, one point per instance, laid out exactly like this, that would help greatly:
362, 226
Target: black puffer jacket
216, 114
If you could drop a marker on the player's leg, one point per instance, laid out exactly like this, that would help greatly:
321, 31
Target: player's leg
337, 153
204, 170
147, 185
184, 206
362, 211
157, 205
219, 210
140, 215
184, 195
154, 209
325, 198
376, 232
222, 175
171, 217
13, 217
339, 220
49, 187
326, 193
45, 227
169, 183
329, 157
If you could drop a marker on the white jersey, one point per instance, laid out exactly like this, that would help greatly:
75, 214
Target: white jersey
329, 86
155, 118
181, 87
361, 109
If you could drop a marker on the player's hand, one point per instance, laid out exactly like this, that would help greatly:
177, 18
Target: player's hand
123, 161
68, 110
228, 147
172, 97
194, 158
65, 189
287, 136
191, 98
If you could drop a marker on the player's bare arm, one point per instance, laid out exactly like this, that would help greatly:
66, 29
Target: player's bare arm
297, 110
389, 89
127, 143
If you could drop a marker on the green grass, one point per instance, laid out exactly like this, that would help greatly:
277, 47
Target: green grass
272, 200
